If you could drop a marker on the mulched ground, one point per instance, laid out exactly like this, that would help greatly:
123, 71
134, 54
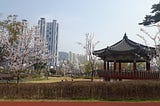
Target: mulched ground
79, 103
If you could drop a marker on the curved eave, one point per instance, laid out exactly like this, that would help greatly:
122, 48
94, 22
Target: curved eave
98, 52
113, 52
126, 47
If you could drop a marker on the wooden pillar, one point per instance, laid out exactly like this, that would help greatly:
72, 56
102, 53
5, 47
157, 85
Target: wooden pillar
104, 65
120, 67
148, 65
134, 66
107, 65
115, 66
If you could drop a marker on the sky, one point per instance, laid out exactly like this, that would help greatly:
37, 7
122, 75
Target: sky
108, 20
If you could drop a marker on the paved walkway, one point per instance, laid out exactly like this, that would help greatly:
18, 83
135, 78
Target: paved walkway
79, 103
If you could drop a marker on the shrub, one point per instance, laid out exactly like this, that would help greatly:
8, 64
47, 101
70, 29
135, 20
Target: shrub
52, 71
127, 90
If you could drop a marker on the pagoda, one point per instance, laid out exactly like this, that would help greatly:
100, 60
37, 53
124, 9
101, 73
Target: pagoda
126, 51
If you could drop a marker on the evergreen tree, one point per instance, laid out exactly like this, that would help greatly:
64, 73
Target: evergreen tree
154, 18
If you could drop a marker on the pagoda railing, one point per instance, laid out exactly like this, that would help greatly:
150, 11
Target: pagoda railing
142, 75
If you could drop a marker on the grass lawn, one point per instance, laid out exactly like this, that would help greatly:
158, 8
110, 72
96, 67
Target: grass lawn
53, 79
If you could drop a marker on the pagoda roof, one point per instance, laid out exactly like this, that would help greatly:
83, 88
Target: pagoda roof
125, 47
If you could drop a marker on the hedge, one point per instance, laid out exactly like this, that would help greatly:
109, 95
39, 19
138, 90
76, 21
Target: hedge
126, 90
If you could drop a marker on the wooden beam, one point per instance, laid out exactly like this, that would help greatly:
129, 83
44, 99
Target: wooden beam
107, 65
115, 66
134, 66
120, 67
104, 65
148, 65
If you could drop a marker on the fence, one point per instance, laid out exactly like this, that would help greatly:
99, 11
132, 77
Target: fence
141, 75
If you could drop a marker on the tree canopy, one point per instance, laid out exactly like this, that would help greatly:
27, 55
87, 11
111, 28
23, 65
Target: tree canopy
21, 46
154, 18
12, 27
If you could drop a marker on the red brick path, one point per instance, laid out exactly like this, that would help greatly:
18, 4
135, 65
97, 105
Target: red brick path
79, 103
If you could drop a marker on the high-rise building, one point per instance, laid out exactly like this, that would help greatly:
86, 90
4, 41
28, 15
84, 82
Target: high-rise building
23, 32
42, 25
77, 58
52, 39
49, 32
24, 26
42, 33
63, 56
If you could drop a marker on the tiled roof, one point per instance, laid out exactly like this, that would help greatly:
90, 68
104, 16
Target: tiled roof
126, 46
123, 45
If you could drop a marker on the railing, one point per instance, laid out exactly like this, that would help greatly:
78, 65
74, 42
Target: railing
142, 75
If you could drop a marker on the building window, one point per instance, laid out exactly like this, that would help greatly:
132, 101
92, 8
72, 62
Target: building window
49, 47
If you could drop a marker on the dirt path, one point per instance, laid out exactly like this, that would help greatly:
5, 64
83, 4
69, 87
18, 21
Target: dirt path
79, 103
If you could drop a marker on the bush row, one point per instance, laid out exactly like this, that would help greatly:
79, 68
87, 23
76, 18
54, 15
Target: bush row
126, 90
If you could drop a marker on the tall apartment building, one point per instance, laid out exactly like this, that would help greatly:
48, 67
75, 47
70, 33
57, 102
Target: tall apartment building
52, 39
24, 26
23, 32
42, 25
49, 32
77, 58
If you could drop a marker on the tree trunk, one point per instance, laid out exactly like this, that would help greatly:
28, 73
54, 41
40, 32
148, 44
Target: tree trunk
18, 77
92, 71
92, 75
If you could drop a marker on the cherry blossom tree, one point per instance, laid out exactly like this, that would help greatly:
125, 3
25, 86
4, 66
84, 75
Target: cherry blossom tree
89, 47
156, 39
22, 45
153, 21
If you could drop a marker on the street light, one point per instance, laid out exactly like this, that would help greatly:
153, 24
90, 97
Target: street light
51, 67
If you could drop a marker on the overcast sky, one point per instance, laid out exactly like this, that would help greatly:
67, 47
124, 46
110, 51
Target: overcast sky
107, 19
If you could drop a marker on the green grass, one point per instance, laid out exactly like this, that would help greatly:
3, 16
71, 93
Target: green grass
54, 79
48, 80
45, 80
